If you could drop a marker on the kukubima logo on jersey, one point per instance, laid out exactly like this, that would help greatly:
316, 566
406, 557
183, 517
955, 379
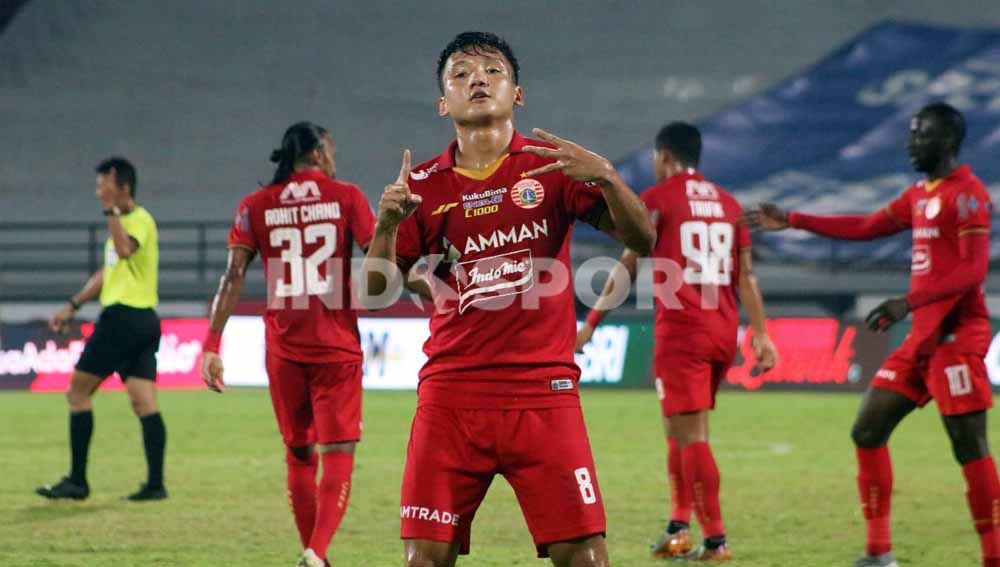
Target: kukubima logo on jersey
300, 192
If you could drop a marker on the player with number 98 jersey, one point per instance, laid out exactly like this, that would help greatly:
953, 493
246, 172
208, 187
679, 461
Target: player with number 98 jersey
698, 231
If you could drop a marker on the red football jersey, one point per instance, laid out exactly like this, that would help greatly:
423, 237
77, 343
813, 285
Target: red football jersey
504, 326
305, 230
699, 238
939, 213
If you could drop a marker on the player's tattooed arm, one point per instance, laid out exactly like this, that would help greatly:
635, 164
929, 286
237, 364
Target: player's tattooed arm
226, 298
753, 303
379, 270
628, 220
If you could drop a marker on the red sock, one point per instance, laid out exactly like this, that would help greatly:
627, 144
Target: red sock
702, 476
302, 493
983, 493
680, 495
334, 490
875, 488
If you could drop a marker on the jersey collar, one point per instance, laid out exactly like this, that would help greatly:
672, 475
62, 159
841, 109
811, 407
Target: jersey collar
446, 160
959, 173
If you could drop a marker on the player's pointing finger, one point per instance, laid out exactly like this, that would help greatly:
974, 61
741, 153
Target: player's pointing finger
404, 170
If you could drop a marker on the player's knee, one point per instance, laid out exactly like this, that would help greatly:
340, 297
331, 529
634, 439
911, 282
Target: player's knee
77, 400
337, 448
866, 437
969, 448
299, 455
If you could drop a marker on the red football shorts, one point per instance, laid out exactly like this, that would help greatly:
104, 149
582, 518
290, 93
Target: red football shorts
956, 380
315, 403
687, 382
544, 454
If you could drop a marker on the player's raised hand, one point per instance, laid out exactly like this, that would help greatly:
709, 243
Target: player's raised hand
61, 319
767, 216
212, 371
572, 159
887, 314
765, 353
397, 201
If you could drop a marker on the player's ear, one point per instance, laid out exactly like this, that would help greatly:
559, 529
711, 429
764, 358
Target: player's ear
442, 107
518, 96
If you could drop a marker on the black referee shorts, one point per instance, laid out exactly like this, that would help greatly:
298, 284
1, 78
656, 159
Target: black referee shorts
125, 341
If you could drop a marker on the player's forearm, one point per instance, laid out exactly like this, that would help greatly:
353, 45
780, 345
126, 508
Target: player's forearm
610, 297
91, 290
846, 227
379, 270
225, 301
124, 246
630, 217
971, 272
753, 303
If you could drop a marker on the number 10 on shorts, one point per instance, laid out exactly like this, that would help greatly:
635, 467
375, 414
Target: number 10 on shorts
586, 485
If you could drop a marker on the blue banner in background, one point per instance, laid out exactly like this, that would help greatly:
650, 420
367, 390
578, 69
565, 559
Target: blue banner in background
831, 139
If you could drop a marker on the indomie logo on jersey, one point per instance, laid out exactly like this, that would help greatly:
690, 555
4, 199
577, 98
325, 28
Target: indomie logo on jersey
300, 192
527, 193
497, 276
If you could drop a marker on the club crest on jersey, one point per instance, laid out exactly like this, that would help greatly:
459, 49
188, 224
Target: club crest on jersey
933, 207
496, 276
527, 193
303, 192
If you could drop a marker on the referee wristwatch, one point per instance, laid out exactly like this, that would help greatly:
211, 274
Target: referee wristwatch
113, 212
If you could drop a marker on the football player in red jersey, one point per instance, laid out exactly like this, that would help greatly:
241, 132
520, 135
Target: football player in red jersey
498, 394
942, 356
304, 226
702, 256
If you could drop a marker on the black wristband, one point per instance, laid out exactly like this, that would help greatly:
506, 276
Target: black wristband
112, 212
75, 305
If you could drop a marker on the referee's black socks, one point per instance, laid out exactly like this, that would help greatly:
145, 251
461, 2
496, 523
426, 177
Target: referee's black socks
81, 428
154, 440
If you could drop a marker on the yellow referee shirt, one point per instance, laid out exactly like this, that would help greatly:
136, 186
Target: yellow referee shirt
132, 281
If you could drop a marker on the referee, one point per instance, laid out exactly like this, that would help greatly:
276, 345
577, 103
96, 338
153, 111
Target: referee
125, 338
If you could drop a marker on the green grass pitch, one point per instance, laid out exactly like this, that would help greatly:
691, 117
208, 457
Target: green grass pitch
787, 479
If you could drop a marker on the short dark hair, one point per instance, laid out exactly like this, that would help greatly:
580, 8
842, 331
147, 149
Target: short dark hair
681, 139
124, 172
299, 139
951, 119
473, 42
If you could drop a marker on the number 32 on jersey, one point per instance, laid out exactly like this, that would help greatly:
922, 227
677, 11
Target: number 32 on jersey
304, 272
